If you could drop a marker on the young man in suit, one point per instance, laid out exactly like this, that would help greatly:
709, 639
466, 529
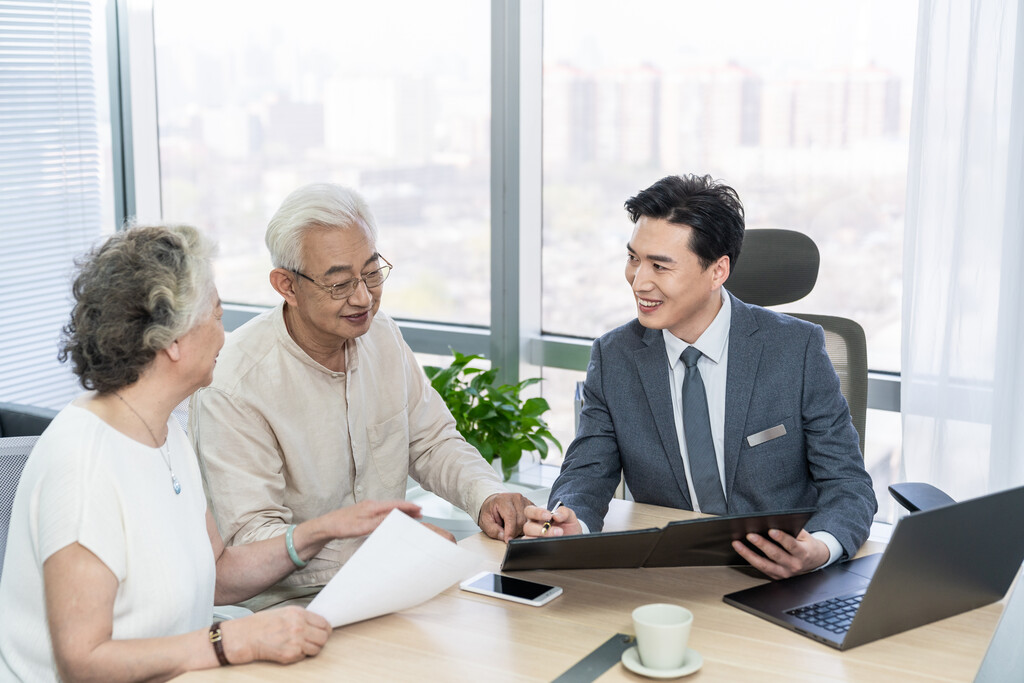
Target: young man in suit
706, 403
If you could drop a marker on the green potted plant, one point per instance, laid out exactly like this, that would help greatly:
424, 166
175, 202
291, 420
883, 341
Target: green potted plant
492, 418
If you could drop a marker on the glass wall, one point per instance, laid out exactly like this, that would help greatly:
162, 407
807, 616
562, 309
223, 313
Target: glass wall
257, 98
803, 106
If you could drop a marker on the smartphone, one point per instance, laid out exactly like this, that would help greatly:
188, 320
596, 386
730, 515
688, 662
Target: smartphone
508, 588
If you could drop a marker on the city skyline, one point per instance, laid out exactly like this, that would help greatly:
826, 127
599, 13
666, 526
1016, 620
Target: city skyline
433, 168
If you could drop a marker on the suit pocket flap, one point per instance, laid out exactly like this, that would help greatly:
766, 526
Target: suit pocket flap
767, 435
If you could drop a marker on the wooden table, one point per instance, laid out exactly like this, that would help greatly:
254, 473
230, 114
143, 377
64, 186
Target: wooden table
460, 636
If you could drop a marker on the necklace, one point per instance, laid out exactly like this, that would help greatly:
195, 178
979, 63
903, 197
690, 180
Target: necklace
166, 455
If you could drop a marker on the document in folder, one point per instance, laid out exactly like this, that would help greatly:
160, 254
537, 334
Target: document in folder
700, 542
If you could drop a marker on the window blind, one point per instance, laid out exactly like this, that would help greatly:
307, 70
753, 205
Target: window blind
50, 195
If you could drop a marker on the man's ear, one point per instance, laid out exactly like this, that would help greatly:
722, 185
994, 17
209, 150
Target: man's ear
283, 282
720, 271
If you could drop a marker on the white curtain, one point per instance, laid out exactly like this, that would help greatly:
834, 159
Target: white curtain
963, 301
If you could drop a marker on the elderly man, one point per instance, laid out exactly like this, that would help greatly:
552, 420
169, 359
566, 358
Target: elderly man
706, 403
319, 403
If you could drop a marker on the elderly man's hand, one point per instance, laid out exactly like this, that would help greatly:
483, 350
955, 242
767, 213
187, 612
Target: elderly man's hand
502, 515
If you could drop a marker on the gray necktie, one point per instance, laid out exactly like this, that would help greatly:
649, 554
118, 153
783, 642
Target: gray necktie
699, 445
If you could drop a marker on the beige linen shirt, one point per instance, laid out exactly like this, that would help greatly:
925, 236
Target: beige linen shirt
282, 439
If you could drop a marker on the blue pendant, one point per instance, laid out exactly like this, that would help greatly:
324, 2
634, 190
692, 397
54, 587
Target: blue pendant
176, 484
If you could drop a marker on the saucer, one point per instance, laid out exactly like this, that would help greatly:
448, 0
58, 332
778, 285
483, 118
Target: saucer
631, 660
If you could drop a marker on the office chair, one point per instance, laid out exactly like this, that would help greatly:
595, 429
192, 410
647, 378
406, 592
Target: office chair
17, 419
14, 452
915, 496
781, 266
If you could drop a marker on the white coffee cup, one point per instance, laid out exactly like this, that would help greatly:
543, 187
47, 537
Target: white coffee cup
662, 635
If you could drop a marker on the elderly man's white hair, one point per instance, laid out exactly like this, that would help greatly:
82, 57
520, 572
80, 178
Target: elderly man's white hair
312, 207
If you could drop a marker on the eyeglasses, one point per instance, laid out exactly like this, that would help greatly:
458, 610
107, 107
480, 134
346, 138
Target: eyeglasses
343, 290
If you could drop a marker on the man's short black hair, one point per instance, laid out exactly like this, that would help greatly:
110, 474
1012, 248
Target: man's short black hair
712, 209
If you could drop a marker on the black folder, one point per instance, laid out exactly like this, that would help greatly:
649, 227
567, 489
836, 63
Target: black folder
704, 542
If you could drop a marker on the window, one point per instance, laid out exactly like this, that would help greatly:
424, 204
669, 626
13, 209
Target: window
802, 106
56, 195
258, 98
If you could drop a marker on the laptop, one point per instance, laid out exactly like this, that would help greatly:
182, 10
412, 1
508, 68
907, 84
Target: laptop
938, 563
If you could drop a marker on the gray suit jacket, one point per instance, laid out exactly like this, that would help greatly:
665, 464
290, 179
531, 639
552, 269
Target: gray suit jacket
779, 374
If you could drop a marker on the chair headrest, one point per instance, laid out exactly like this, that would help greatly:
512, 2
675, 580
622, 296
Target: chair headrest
775, 267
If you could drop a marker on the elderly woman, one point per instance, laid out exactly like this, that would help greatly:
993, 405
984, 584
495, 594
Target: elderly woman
113, 561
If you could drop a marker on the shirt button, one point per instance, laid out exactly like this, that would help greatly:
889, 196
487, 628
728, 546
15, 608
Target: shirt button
359, 490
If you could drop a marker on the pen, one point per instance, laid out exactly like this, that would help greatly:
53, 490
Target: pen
547, 524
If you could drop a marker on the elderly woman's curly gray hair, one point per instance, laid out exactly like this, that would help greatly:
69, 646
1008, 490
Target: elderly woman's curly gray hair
311, 207
135, 295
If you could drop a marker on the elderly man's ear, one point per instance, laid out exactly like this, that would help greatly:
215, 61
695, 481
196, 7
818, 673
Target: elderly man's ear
283, 282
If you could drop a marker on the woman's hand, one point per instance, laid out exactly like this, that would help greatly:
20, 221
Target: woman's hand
80, 593
245, 570
282, 635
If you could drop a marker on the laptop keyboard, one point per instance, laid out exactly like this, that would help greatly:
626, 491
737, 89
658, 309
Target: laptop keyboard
835, 614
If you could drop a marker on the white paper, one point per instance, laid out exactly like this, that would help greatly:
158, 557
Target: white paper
401, 565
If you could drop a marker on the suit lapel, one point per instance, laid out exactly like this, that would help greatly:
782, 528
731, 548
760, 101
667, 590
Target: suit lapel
744, 356
651, 365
